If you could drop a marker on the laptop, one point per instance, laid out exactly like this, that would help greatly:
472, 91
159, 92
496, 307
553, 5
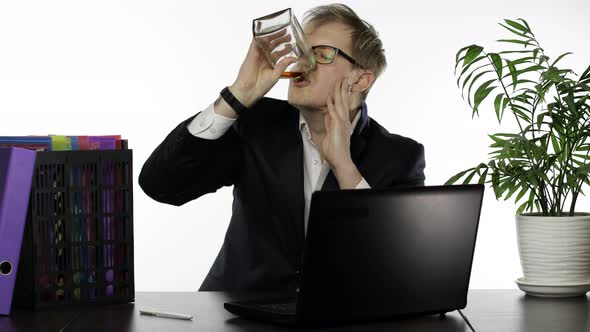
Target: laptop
374, 254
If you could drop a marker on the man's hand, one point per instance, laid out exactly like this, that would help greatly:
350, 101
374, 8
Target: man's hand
335, 147
257, 76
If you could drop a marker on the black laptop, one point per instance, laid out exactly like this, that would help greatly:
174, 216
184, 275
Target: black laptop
378, 254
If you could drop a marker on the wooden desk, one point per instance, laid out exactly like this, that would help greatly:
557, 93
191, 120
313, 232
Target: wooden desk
487, 310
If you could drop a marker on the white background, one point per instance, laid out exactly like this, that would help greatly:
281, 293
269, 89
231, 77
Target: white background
138, 68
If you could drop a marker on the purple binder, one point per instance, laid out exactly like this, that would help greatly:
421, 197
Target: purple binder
16, 175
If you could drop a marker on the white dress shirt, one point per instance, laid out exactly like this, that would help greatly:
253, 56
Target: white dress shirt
210, 125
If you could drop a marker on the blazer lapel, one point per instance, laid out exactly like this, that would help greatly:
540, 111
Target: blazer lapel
294, 181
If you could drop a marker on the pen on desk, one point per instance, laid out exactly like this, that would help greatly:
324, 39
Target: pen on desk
165, 314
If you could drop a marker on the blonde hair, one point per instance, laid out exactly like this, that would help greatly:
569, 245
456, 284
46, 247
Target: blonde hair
367, 48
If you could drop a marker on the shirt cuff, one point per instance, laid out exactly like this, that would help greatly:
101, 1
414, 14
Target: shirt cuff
209, 125
363, 185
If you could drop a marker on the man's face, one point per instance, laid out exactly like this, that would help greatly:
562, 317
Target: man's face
323, 78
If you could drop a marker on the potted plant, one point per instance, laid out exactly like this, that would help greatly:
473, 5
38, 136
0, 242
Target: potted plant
545, 164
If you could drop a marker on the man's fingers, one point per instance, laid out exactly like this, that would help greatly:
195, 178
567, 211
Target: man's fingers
332, 108
275, 43
351, 80
330, 104
328, 122
282, 65
273, 36
276, 55
344, 87
335, 117
273, 40
338, 99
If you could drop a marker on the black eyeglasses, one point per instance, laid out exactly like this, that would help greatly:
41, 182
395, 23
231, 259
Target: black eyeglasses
325, 54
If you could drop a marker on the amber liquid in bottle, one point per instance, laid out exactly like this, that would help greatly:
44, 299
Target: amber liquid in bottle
291, 74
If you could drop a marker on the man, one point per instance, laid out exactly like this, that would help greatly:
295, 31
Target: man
276, 153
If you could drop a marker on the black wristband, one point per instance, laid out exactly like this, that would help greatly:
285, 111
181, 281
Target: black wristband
232, 100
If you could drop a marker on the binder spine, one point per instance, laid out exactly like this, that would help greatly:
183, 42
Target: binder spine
16, 168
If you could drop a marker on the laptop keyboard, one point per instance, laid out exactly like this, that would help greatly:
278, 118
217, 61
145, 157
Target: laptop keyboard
285, 308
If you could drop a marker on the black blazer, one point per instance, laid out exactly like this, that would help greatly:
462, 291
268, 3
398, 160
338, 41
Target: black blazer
261, 155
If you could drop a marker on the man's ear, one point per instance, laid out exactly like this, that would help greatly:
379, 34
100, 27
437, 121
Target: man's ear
365, 79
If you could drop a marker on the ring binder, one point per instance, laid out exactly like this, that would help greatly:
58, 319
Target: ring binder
16, 174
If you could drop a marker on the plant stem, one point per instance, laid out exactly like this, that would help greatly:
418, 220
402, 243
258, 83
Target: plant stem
573, 205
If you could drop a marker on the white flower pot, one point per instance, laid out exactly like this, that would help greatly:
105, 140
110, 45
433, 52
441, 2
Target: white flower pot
554, 250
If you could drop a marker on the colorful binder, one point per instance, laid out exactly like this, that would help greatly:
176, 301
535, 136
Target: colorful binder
16, 175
